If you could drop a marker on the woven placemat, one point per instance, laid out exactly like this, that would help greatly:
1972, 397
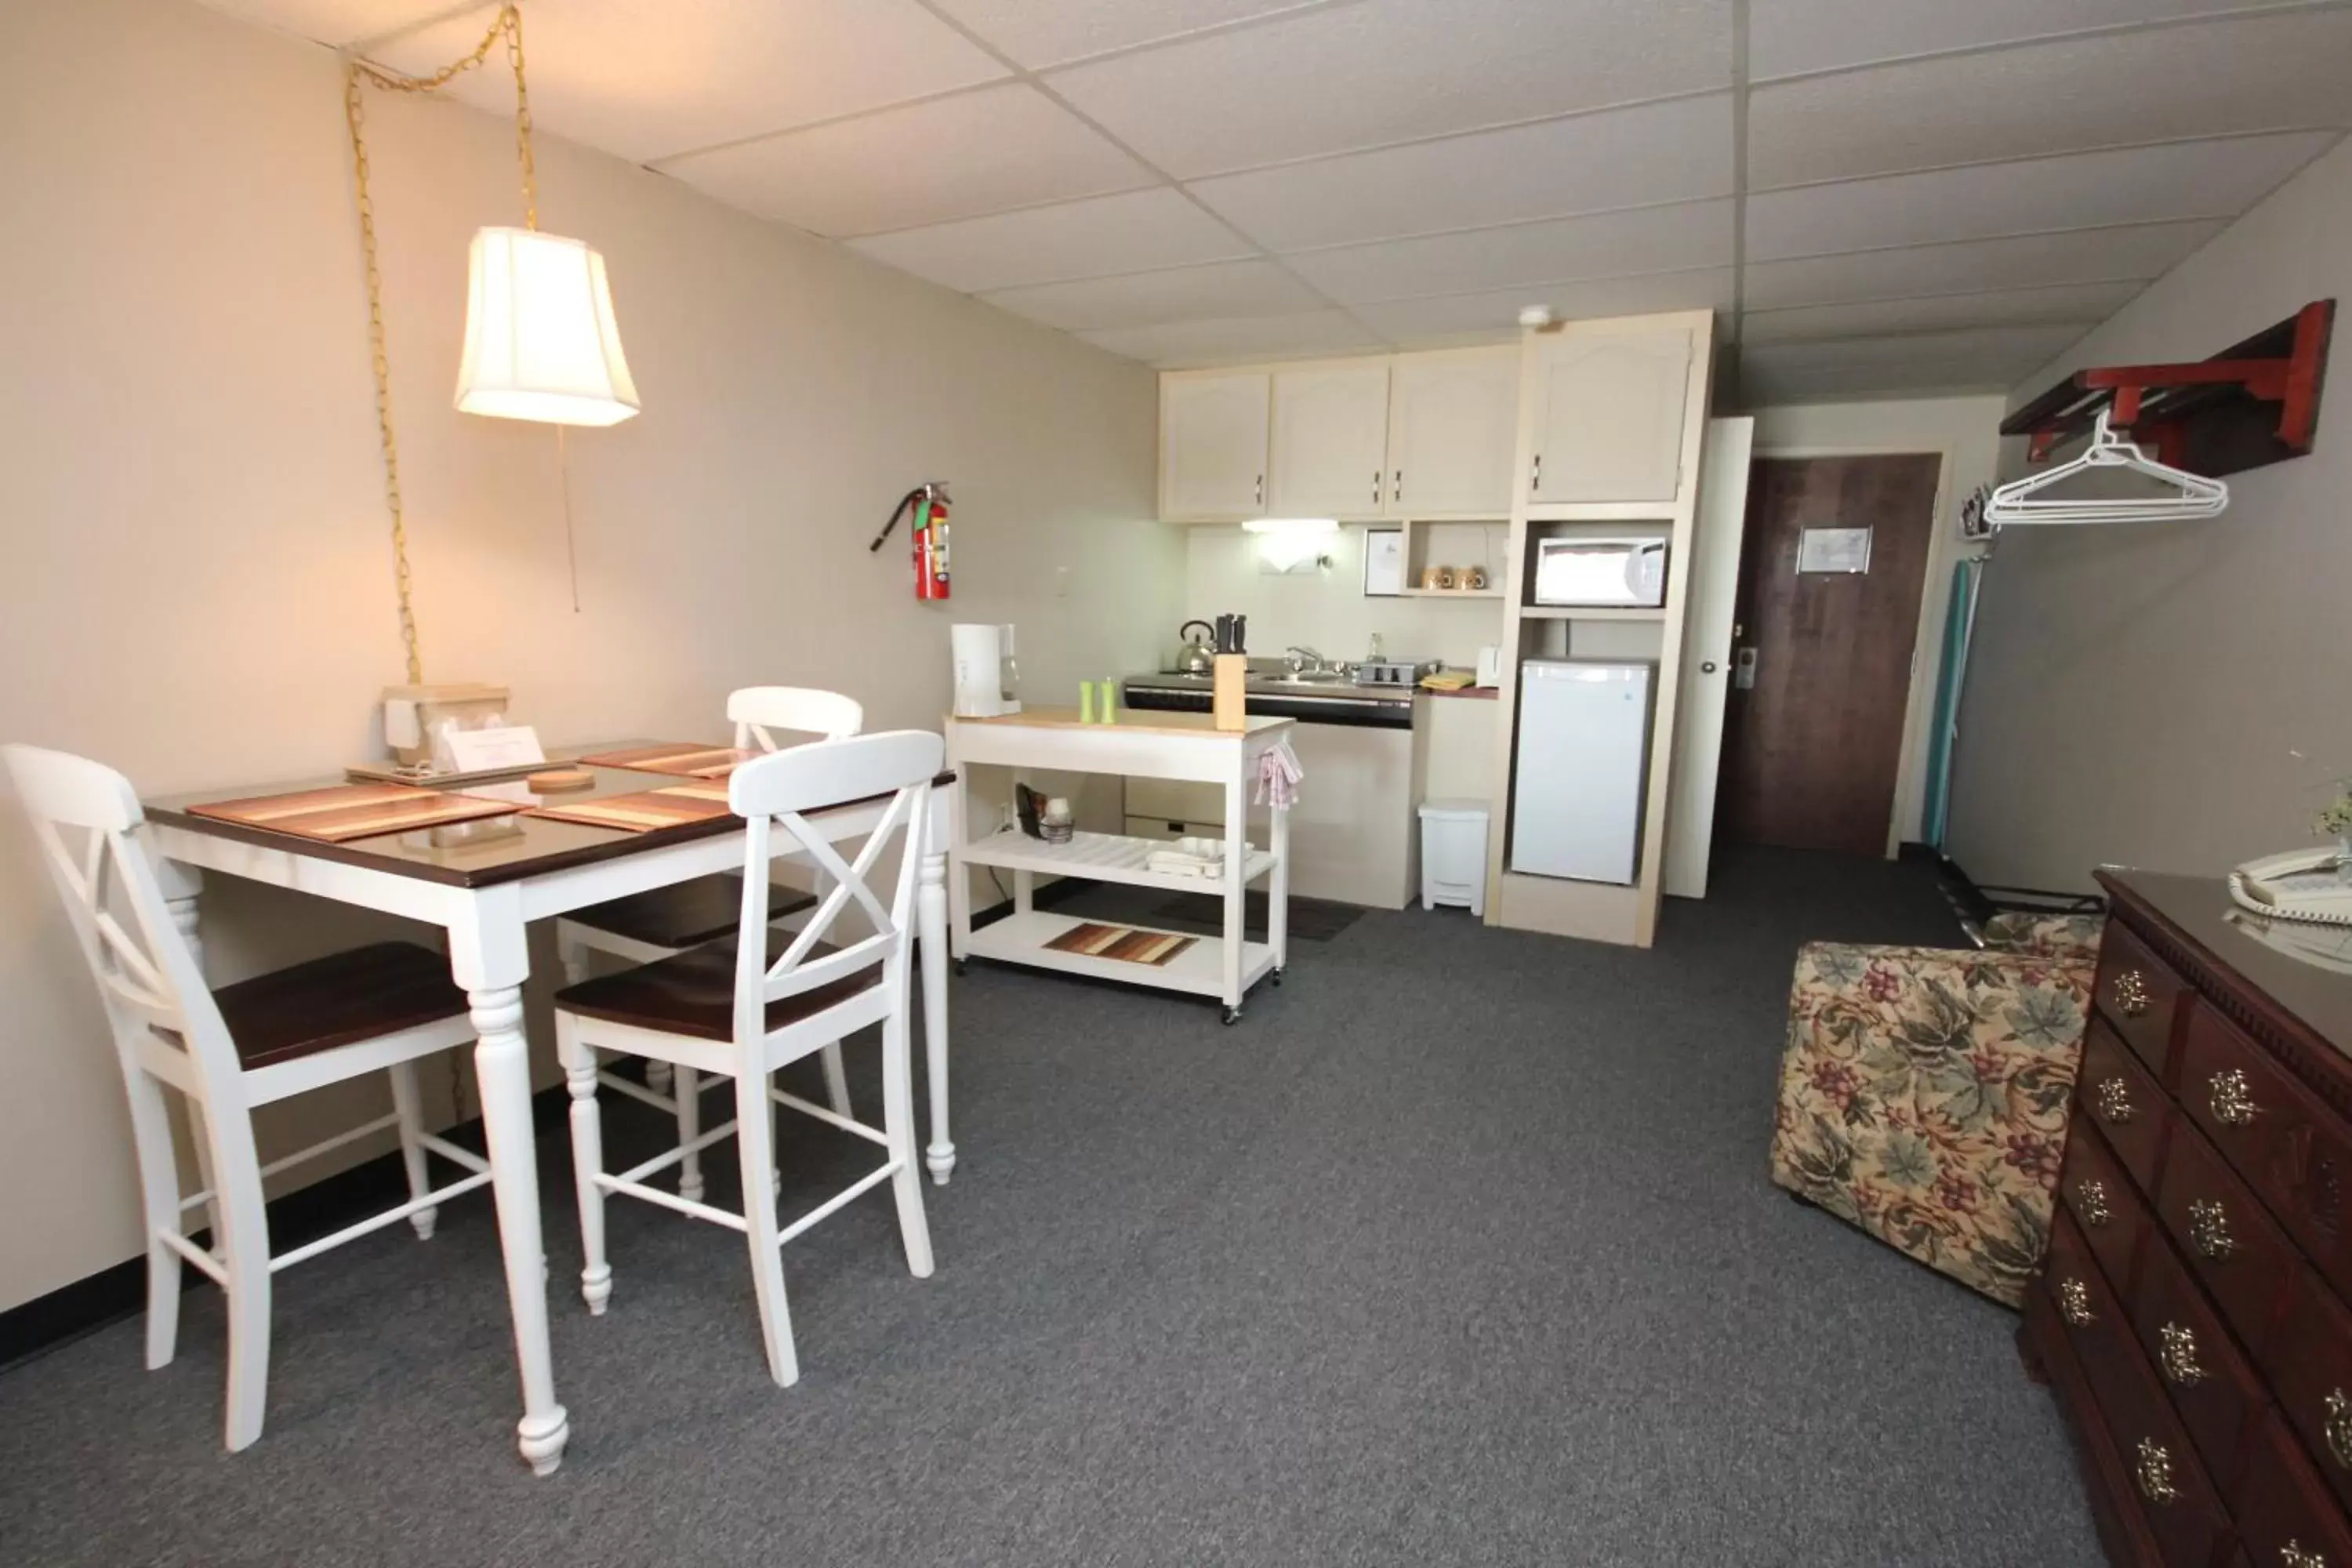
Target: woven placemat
1126, 943
354, 811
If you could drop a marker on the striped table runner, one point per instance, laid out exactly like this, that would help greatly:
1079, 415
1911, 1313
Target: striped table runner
354, 811
1124, 942
675, 807
681, 758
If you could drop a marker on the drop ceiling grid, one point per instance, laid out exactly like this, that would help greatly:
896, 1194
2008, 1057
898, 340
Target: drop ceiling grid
1926, 183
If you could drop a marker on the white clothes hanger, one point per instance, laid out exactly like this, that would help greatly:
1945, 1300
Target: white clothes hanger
2021, 501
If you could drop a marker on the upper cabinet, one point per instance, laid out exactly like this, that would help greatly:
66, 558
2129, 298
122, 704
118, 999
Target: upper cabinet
1454, 420
1330, 440
1212, 445
1606, 411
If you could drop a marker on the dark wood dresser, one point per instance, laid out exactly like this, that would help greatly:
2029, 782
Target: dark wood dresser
2190, 1316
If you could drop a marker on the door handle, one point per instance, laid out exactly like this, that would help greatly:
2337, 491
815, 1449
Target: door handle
1707, 667
1743, 669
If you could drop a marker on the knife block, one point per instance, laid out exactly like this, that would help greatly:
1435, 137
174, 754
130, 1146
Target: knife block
1229, 682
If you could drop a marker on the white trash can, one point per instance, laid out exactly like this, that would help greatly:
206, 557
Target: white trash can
1453, 854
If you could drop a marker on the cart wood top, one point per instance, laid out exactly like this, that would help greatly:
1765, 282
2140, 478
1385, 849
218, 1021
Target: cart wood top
1143, 722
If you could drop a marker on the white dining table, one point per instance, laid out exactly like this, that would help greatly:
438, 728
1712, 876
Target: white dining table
484, 883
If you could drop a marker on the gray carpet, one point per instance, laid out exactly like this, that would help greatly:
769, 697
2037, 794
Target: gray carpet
1458, 1250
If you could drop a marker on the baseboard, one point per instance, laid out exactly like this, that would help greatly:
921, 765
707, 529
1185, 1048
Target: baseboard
111, 1295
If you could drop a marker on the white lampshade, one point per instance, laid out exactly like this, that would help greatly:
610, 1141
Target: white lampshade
540, 341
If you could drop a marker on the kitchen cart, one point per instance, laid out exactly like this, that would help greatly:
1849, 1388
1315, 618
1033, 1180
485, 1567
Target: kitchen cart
1142, 745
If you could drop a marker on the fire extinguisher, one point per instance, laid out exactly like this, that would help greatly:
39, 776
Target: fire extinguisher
929, 503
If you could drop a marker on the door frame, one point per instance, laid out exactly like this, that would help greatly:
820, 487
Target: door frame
1911, 767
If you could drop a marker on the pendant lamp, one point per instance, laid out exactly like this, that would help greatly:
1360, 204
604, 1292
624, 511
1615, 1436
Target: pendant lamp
541, 342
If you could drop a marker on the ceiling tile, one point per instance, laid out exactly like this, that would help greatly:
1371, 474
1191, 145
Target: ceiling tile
1351, 77
337, 23
1785, 36
1996, 359
1232, 341
2136, 252
2083, 190
1607, 244
1660, 152
2278, 72
1709, 289
1039, 33
1071, 240
647, 81
2083, 305
931, 162
1223, 288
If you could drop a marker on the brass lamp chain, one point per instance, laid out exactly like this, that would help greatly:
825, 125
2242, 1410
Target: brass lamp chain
356, 73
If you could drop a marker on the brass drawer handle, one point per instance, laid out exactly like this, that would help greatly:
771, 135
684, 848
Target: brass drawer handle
2154, 1473
2233, 1100
2075, 1303
2093, 1198
2338, 1427
2208, 1229
2113, 1099
2131, 993
2178, 1354
2292, 1555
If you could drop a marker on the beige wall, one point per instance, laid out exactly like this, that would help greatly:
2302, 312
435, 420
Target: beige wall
196, 583
1966, 431
2137, 694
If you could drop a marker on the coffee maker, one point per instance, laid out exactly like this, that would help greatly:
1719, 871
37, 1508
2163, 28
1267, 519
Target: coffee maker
986, 680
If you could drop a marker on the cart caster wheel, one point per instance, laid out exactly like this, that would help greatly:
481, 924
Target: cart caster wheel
961, 968
1233, 1016
1275, 977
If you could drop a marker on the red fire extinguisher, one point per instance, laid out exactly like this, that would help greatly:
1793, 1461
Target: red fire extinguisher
929, 503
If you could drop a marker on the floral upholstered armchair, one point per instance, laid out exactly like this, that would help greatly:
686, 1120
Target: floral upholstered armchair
1923, 1095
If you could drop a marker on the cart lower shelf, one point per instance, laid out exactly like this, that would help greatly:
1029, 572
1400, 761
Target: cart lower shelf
1199, 969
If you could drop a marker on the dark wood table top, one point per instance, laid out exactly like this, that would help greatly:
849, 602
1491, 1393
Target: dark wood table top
2287, 962
477, 853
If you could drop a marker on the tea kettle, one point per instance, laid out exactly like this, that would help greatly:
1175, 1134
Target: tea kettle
1194, 656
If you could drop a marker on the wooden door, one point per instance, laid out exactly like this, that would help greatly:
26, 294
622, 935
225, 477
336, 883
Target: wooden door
1213, 445
1330, 441
1608, 415
1454, 427
1821, 669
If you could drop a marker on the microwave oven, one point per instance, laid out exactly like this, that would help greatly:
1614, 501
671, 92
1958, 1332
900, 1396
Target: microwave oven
1606, 573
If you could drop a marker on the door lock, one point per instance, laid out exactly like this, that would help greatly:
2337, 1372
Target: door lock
1743, 669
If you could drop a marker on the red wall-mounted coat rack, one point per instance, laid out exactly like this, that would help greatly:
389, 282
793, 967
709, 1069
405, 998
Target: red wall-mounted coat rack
2254, 403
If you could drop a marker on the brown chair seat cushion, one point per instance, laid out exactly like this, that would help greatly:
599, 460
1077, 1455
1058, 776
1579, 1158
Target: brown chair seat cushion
335, 1000
694, 992
684, 914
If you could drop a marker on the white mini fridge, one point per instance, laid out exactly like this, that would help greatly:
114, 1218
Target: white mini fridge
1584, 748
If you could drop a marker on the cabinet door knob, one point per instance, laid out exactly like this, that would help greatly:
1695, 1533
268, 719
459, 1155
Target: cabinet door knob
1376, 487
1398, 494
2208, 1229
2154, 1473
2178, 1354
1261, 489
2075, 1303
2131, 993
2113, 1100
2233, 1098
1537, 483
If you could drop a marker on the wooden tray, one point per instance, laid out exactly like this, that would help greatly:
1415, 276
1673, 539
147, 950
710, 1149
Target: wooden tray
342, 812
682, 758
643, 811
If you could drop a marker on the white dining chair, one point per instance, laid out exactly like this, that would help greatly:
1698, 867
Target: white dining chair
373, 1009
772, 998
662, 922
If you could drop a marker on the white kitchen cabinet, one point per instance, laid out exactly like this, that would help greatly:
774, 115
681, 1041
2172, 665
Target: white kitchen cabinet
1453, 426
1212, 445
1606, 409
1330, 440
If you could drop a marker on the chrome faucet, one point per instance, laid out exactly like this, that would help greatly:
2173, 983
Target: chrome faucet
1303, 659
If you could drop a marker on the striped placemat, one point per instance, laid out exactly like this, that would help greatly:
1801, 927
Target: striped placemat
1123, 943
683, 758
354, 811
643, 811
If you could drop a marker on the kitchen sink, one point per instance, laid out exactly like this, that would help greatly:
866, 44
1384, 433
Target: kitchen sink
1316, 677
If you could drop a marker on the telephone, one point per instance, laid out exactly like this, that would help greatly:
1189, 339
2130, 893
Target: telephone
2300, 885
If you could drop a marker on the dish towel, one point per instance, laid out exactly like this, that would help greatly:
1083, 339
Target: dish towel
1278, 774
